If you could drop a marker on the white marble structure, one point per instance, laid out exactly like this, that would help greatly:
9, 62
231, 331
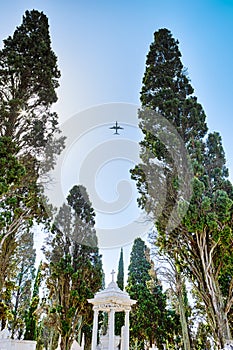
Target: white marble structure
74, 346
229, 345
112, 299
6, 343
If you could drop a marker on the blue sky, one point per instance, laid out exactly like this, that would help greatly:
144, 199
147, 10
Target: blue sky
102, 46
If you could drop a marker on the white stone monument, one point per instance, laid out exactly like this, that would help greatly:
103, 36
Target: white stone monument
6, 343
229, 345
112, 299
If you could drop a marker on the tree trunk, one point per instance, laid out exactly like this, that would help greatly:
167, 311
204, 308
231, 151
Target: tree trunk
63, 343
213, 297
220, 321
66, 342
16, 304
183, 320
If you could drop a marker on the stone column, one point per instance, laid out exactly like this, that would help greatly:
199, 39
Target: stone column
126, 337
94, 330
111, 329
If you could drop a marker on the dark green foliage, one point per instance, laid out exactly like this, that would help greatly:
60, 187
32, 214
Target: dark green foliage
47, 334
120, 273
138, 276
149, 320
75, 268
210, 217
25, 275
31, 317
29, 141
201, 239
28, 79
166, 88
120, 316
11, 171
28, 56
201, 341
79, 201
11, 174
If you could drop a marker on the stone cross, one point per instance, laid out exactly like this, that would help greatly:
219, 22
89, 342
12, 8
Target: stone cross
113, 273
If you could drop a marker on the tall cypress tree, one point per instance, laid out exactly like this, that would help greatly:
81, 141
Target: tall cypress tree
138, 276
28, 81
167, 92
21, 298
30, 316
28, 130
75, 266
149, 320
119, 316
166, 88
120, 273
194, 242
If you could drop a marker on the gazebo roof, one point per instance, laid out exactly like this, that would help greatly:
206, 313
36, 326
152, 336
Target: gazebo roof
112, 295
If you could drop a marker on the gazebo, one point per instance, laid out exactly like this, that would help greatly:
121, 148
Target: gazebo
112, 299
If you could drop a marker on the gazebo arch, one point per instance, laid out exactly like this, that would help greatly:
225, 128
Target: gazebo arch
112, 299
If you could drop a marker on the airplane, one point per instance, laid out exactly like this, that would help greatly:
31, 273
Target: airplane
116, 127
